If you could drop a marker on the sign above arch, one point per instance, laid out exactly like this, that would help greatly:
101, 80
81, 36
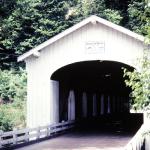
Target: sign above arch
93, 20
95, 47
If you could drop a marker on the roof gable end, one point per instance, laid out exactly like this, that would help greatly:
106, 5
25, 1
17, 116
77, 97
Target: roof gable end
92, 19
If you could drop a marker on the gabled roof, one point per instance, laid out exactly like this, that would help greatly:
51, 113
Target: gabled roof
92, 19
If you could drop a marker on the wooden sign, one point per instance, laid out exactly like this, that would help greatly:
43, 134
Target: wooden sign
95, 47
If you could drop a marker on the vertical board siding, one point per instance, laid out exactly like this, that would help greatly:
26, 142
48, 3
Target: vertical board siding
70, 49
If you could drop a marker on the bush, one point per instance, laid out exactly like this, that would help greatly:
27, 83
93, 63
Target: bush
139, 82
13, 99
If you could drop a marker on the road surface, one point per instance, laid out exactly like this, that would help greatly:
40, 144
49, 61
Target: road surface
81, 140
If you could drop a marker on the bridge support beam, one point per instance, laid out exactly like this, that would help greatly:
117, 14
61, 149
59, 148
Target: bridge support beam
54, 102
84, 105
102, 104
71, 106
108, 109
94, 106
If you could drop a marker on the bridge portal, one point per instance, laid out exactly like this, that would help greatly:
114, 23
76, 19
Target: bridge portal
77, 74
94, 94
91, 89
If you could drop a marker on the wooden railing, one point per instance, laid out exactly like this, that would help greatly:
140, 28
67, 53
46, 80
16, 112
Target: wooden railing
17, 137
139, 141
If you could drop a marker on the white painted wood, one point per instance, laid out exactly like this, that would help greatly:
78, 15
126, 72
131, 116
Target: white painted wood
30, 134
137, 141
84, 105
36, 54
38, 90
102, 104
68, 48
71, 106
147, 143
54, 102
40, 132
14, 138
93, 20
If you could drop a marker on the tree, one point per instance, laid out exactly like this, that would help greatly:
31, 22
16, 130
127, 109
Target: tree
7, 7
139, 14
28, 25
139, 80
85, 8
25, 24
122, 7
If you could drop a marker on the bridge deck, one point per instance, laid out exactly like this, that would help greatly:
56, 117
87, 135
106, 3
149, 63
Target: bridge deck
84, 140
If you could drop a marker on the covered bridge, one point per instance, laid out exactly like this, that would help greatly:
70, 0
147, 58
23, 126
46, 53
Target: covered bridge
77, 75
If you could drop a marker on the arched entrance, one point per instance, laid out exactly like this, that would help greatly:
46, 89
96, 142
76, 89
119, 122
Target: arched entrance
93, 91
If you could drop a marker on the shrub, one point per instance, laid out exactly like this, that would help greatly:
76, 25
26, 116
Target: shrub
13, 99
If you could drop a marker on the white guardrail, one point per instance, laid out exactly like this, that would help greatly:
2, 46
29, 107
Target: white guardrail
139, 141
17, 137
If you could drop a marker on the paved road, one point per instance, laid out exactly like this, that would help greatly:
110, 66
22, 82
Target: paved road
92, 140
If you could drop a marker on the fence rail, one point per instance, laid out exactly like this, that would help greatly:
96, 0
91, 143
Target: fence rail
139, 141
17, 137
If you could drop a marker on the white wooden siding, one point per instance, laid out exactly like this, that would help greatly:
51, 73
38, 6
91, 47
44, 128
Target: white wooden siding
70, 49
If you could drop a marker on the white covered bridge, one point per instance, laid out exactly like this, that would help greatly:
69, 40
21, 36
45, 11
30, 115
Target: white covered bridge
77, 75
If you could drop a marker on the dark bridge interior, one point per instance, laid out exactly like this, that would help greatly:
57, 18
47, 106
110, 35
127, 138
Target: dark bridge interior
97, 78
104, 76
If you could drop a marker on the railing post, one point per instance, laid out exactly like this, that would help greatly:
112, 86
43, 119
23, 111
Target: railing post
1, 139
38, 133
14, 136
18, 135
27, 135
147, 144
51, 129
137, 142
48, 130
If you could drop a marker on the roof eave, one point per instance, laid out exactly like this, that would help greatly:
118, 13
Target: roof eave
53, 39
77, 26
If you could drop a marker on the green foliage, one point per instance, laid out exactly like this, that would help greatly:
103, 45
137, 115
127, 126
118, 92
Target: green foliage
139, 82
6, 123
85, 8
29, 24
6, 7
12, 85
13, 99
43, 19
113, 16
139, 17
12, 116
